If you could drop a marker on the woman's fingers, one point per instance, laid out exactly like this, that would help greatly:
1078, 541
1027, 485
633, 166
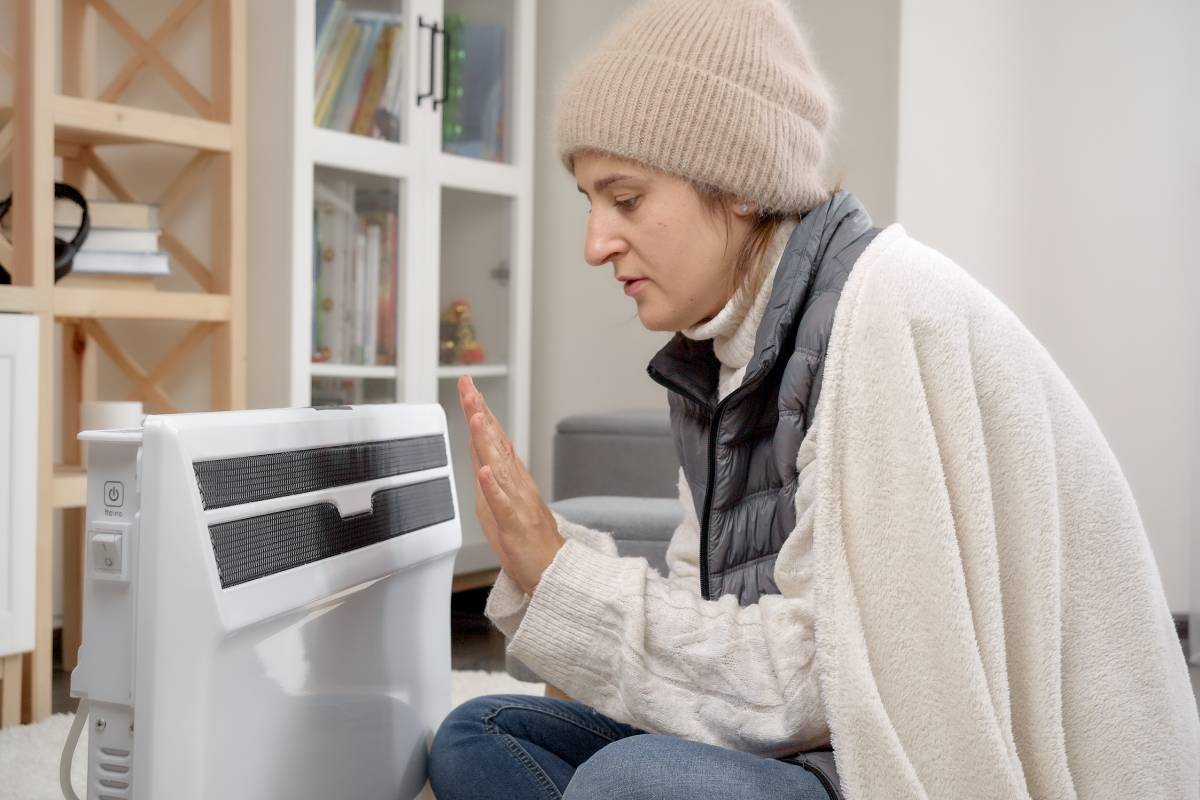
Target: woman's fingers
465, 392
491, 447
482, 503
472, 400
491, 453
505, 442
498, 499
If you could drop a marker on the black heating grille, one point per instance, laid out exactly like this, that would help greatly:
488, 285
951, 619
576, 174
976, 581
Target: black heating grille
247, 549
245, 479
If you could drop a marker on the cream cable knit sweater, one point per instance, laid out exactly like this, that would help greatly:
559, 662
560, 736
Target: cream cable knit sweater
648, 651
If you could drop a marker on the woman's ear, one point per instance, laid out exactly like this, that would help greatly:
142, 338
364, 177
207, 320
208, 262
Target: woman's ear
743, 208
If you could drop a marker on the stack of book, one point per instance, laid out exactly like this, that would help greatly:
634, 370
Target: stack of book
359, 70
356, 258
123, 238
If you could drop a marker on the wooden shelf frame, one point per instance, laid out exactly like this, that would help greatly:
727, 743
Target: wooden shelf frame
90, 122
77, 125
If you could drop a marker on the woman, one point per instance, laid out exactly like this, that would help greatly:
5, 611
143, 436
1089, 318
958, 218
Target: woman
905, 543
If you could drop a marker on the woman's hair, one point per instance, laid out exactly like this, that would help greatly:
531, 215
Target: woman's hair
749, 267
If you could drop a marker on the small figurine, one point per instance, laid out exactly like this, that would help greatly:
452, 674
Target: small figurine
458, 344
447, 346
470, 351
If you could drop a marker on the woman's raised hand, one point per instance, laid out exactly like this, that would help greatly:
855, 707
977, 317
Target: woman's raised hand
516, 520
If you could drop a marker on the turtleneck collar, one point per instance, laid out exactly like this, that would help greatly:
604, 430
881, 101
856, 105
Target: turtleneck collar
735, 327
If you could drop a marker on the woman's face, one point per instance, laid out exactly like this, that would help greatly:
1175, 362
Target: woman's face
668, 252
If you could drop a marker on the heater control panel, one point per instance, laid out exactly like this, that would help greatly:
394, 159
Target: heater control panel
105, 670
108, 543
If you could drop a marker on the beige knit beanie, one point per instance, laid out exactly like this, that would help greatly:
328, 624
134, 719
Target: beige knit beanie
722, 92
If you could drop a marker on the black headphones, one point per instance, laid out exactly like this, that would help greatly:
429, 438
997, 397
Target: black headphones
64, 252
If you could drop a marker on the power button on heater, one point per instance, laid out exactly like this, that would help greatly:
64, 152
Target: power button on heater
108, 554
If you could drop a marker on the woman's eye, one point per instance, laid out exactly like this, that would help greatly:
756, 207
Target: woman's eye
629, 203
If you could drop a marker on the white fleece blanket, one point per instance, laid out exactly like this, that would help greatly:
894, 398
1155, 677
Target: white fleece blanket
993, 623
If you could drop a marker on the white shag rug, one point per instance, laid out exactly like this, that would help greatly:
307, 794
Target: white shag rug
29, 754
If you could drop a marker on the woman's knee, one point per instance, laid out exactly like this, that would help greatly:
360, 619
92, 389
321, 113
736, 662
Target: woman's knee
464, 720
622, 769
457, 738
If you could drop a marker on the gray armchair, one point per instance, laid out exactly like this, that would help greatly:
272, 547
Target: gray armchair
617, 472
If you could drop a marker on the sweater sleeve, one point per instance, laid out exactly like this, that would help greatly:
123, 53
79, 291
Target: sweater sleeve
646, 650
507, 602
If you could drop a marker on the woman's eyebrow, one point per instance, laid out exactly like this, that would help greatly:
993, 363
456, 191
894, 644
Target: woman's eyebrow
605, 182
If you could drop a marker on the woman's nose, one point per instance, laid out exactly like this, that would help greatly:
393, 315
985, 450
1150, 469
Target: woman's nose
602, 243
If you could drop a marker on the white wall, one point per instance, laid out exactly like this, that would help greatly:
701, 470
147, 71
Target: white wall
589, 350
1050, 149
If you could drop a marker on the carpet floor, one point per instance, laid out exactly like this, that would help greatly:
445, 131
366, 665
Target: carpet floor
29, 754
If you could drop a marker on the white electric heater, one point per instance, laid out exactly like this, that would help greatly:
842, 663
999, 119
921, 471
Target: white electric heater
267, 604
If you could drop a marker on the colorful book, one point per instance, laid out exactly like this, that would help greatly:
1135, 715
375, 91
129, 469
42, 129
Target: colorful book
335, 219
345, 51
372, 85
327, 48
378, 208
348, 93
315, 333
359, 291
370, 312
348, 231
387, 115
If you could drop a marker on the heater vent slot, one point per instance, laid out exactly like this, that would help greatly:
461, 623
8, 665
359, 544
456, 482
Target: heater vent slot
255, 547
113, 781
227, 482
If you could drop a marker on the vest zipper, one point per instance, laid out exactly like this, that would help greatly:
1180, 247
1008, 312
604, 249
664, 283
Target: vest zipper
708, 498
712, 459
709, 488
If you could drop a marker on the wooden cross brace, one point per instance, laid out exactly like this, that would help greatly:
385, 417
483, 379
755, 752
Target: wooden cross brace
147, 51
146, 384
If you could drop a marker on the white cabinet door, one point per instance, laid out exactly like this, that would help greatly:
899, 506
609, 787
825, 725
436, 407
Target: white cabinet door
18, 480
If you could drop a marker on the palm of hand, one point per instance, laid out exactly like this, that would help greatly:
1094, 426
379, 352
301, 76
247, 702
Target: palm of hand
515, 519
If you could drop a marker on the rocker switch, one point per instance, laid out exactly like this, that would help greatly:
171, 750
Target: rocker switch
108, 555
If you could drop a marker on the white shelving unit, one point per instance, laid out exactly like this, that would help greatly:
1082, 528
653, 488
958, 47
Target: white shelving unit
463, 223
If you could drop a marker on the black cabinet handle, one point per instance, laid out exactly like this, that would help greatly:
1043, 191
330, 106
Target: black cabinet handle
440, 101
434, 31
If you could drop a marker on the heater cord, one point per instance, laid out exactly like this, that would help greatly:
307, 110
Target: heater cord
68, 754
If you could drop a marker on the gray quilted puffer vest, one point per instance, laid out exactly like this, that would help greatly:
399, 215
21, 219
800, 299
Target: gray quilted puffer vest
739, 454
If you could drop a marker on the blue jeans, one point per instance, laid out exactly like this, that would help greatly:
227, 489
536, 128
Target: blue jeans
516, 746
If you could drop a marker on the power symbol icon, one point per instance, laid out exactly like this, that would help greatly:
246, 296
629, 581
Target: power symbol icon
114, 494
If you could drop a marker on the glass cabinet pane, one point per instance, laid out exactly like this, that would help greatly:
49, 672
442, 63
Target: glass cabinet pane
475, 329
336, 391
357, 269
476, 117
475, 553
359, 78
474, 287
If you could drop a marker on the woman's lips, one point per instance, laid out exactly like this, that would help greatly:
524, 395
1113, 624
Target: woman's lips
633, 287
